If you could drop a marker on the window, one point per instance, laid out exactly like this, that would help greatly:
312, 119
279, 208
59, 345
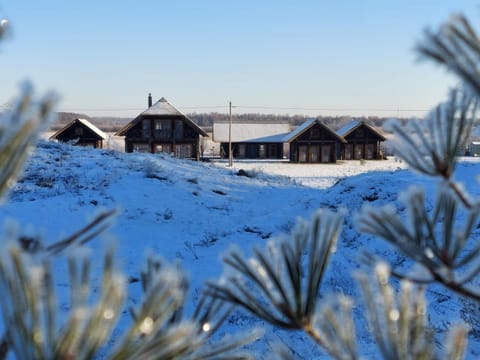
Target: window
262, 151
242, 150
302, 153
178, 129
272, 151
315, 133
359, 133
326, 151
163, 148
184, 151
369, 152
140, 147
348, 152
314, 153
146, 128
358, 151
78, 131
163, 128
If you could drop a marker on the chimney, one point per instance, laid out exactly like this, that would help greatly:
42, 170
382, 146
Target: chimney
149, 99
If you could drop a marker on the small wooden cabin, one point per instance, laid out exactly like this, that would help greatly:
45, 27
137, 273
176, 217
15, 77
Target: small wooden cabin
363, 141
314, 142
81, 132
251, 139
162, 128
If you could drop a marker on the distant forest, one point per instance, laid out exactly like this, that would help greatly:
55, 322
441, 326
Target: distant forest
205, 120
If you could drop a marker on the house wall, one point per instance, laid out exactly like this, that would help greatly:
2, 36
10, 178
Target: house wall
251, 150
163, 134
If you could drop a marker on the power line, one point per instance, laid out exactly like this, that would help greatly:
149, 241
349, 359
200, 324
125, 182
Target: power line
256, 107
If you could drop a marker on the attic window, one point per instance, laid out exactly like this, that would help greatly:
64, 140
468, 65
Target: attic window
315, 133
78, 131
359, 133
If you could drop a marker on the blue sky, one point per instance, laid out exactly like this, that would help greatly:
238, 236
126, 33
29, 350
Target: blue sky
348, 57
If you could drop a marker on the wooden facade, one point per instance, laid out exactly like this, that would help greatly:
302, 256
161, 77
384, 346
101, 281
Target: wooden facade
82, 133
163, 129
363, 142
253, 150
314, 142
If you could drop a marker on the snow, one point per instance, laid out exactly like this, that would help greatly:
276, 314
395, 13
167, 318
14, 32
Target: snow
192, 213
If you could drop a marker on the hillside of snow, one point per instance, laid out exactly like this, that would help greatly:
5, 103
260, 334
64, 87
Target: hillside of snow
192, 213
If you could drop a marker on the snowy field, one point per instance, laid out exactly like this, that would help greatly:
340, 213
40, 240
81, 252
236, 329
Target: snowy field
316, 175
192, 213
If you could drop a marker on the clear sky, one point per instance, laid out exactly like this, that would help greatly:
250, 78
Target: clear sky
340, 57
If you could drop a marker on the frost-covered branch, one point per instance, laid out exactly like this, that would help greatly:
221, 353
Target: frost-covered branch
398, 321
281, 285
19, 130
456, 46
431, 146
435, 240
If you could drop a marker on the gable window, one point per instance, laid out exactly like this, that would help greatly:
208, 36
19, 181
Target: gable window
315, 133
359, 133
78, 131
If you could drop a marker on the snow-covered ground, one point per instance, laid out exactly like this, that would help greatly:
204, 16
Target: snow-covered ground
193, 212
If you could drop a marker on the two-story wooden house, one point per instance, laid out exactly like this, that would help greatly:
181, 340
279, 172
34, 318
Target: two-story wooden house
162, 128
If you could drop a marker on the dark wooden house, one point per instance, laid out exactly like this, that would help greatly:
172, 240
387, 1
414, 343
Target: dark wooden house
251, 139
162, 128
81, 132
314, 142
363, 141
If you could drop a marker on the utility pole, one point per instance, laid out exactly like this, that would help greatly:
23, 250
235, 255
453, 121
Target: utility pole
230, 154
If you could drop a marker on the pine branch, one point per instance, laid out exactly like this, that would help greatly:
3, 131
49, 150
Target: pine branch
281, 285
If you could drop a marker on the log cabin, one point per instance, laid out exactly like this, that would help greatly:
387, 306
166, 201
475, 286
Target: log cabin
161, 128
314, 142
81, 132
363, 141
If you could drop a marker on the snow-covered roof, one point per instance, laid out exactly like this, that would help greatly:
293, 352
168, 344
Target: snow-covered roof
84, 122
354, 124
279, 138
307, 125
161, 108
250, 131
346, 129
300, 129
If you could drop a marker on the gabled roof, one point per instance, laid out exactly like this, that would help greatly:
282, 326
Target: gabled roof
84, 122
250, 131
162, 108
306, 126
355, 124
